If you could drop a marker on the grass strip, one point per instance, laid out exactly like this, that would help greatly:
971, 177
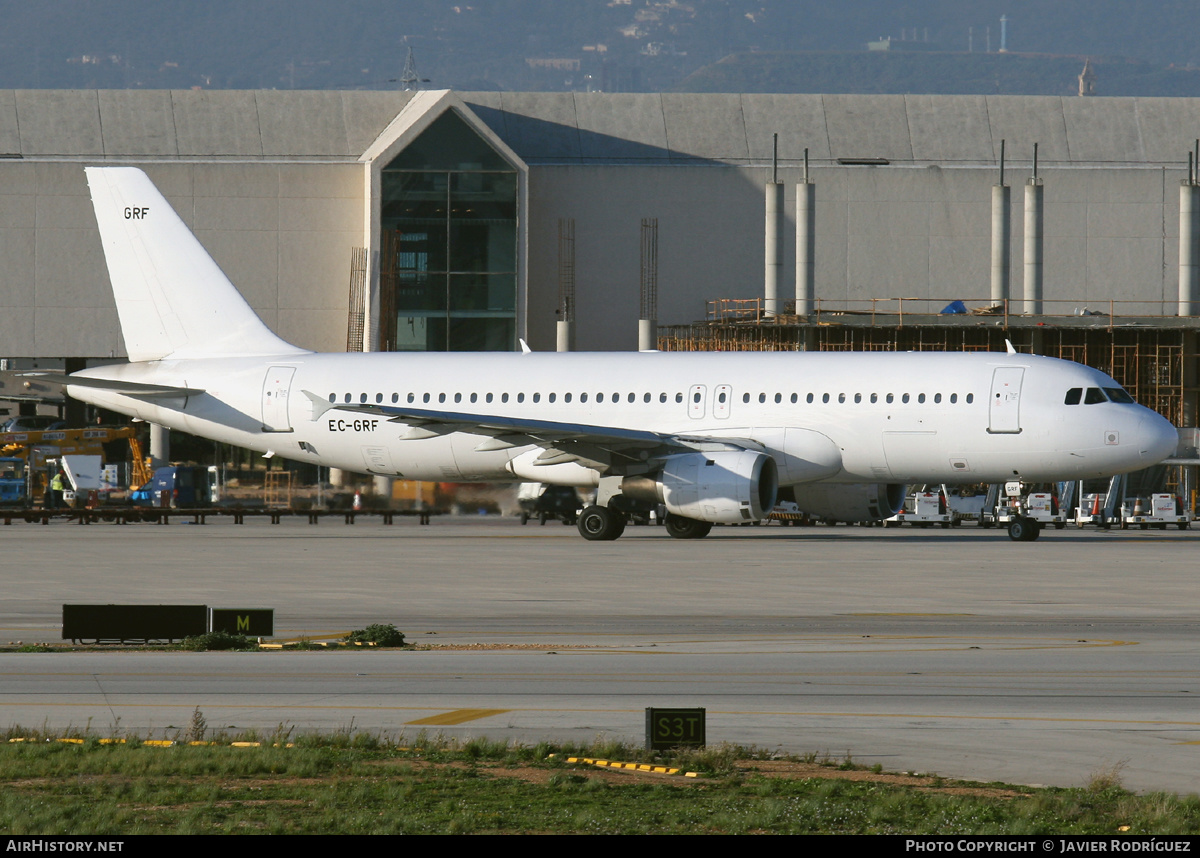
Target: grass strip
366, 783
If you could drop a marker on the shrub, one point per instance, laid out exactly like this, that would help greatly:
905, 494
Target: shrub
216, 641
378, 634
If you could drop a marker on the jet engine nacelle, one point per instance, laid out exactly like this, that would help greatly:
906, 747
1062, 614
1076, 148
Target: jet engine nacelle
725, 487
872, 502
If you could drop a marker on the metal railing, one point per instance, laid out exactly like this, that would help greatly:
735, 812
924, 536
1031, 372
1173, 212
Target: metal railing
891, 311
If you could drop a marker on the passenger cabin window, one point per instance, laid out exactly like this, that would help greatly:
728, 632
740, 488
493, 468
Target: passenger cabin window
1073, 396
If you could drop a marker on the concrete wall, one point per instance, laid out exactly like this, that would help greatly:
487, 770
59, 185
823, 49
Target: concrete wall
229, 124
283, 234
273, 185
882, 232
555, 127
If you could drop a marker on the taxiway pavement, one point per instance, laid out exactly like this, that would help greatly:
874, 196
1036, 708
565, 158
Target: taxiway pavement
954, 651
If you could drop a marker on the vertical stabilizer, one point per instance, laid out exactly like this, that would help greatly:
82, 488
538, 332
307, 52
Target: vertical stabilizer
172, 298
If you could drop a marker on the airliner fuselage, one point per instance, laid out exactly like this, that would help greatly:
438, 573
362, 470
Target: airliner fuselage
843, 417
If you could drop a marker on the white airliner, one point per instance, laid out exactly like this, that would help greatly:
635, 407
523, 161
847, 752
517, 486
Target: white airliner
711, 436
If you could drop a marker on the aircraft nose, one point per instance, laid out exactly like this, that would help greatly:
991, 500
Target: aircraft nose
1157, 438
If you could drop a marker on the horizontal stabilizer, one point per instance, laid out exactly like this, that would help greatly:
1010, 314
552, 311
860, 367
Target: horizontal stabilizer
128, 388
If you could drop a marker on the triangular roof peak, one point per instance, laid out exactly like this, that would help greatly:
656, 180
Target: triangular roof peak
415, 117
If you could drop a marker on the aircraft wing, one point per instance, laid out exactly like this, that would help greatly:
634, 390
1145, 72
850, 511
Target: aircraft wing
600, 447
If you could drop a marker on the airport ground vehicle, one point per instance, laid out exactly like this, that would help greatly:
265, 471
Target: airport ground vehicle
12, 480
179, 486
542, 502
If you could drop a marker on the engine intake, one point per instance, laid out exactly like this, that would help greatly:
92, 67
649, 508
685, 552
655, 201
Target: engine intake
725, 487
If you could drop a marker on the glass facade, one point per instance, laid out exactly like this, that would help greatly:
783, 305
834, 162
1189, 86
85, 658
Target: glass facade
449, 244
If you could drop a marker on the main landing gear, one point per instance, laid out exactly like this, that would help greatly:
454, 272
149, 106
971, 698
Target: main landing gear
601, 524
1024, 529
687, 528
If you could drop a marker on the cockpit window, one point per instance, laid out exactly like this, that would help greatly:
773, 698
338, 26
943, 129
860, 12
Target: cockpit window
1093, 396
1073, 396
1118, 394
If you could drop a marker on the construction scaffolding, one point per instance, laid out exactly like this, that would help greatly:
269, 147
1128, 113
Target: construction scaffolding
1155, 363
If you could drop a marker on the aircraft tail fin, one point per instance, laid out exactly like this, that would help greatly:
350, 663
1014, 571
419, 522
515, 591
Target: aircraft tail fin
172, 298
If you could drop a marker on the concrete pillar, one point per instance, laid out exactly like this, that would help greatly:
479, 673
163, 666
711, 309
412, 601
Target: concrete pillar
337, 477
383, 488
1189, 249
806, 245
647, 335
1033, 245
160, 446
1001, 242
566, 335
773, 247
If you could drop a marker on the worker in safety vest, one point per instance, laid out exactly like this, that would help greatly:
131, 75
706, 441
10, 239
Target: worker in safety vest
57, 486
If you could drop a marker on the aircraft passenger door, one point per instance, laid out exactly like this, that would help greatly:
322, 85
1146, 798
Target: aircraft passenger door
1004, 405
697, 404
276, 387
722, 397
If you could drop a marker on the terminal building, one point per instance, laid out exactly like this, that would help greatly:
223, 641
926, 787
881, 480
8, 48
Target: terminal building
441, 220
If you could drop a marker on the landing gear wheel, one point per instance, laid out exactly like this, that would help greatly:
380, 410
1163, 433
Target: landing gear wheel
1023, 530
687, 528
600, 524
